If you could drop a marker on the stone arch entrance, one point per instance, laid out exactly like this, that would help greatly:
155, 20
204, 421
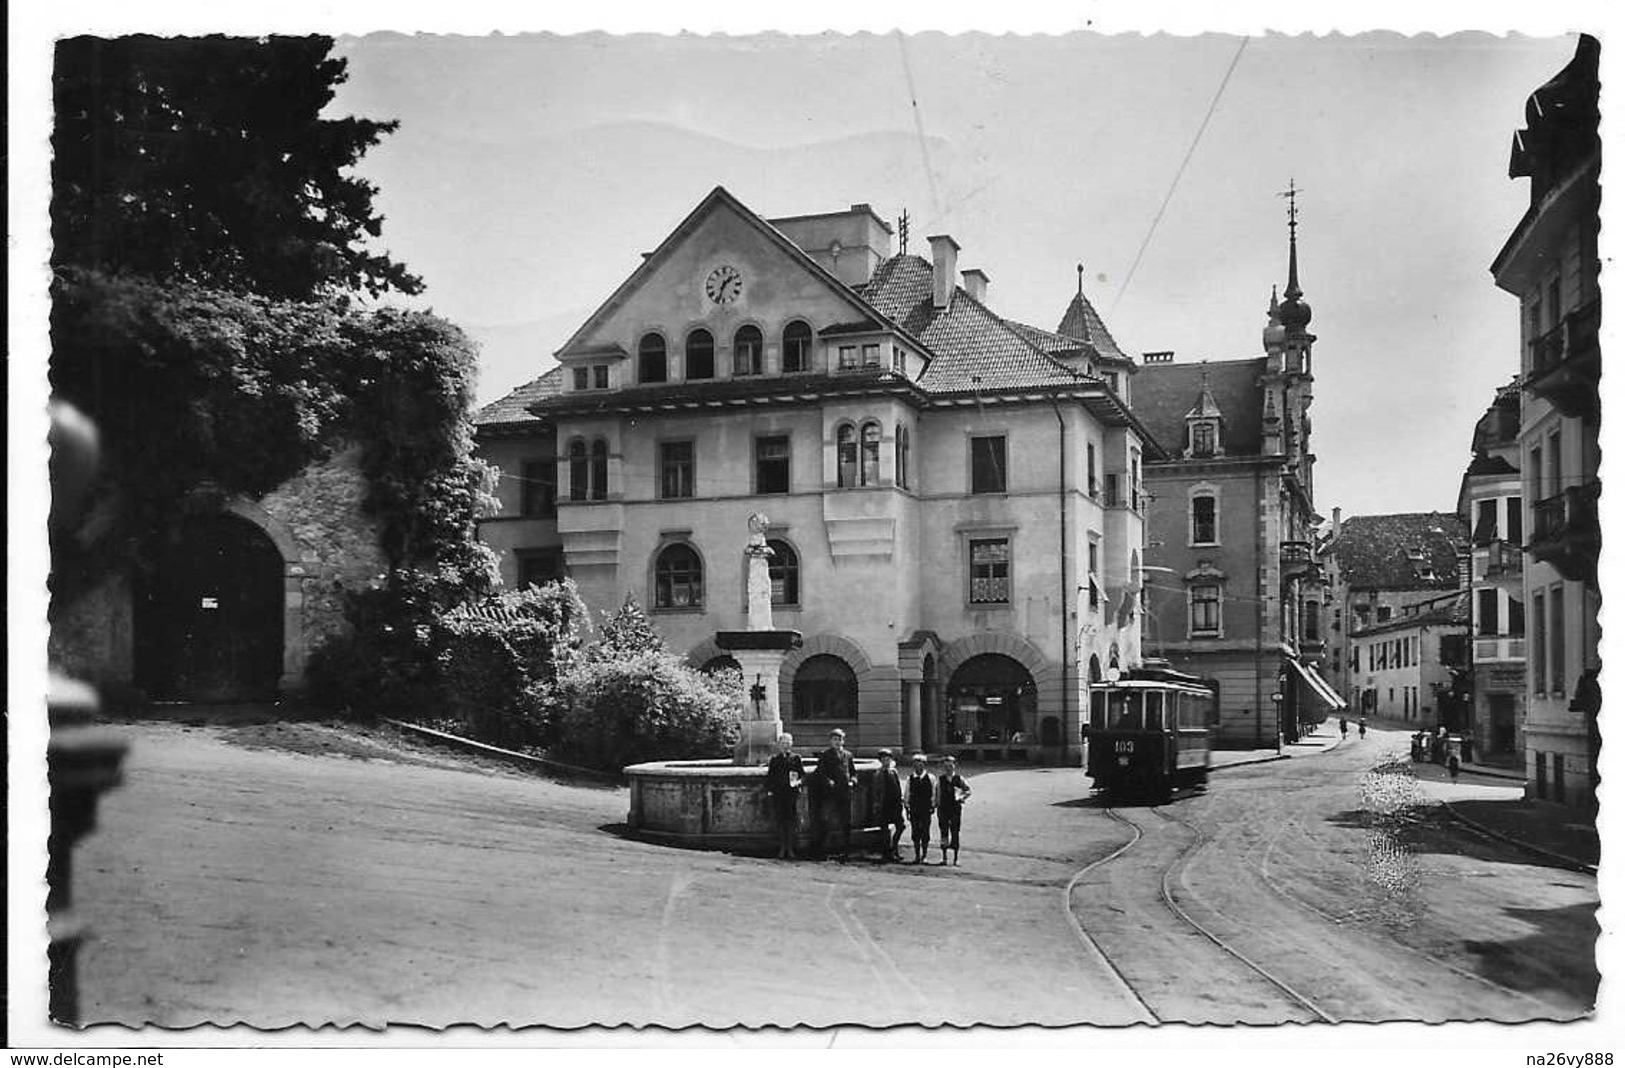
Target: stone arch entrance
992, 700
210, 622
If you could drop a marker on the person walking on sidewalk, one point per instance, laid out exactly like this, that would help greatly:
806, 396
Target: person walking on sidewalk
1362, 726
783, 788
952, 791
889, 790
1343, 725
922, 802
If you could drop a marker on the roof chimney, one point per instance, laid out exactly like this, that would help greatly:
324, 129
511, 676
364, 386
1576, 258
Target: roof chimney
976, 284
944, 269
1337, 522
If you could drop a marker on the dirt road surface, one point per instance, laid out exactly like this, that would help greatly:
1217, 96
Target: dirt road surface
304, 873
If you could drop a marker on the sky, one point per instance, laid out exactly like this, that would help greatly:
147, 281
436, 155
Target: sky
530, 171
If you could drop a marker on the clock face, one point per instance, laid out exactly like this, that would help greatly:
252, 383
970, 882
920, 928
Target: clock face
723, 284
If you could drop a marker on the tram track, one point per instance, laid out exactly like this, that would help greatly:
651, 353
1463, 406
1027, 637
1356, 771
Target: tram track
1200, 842
1160, 1002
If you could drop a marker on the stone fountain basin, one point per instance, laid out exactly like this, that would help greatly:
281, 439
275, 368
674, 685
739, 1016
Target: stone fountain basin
717, 804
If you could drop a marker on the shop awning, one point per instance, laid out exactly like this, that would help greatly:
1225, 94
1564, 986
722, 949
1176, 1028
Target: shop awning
1321, 688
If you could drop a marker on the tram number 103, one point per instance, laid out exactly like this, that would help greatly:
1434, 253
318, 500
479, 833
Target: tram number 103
1125, 745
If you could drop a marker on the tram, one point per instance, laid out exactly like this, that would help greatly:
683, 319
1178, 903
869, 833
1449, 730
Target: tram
1150, 731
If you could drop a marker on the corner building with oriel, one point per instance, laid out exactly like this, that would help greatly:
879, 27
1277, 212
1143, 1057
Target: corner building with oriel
934, 476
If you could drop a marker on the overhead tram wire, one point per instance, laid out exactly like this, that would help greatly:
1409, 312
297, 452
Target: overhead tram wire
1178, 174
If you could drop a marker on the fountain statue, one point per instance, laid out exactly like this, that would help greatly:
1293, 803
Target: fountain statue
759, 649
723, 804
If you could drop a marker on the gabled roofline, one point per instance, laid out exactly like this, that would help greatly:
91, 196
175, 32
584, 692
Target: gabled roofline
720, 195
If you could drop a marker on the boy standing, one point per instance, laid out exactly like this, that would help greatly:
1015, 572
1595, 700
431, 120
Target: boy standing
922, 801
836, 775
952, 790
889, 790
783, 787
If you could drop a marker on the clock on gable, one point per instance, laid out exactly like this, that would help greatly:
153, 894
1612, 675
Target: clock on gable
723, 284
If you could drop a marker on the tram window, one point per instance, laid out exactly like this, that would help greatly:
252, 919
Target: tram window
1097, 711
1124, 711
1153, 711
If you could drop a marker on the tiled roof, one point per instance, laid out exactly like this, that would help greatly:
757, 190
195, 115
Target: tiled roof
1084, 323
1058, 345
1373, 551
972, 347
514, 409
1165, 392
1456, 610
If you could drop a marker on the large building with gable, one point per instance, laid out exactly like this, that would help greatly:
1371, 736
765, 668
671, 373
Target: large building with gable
1235, 589
956, 500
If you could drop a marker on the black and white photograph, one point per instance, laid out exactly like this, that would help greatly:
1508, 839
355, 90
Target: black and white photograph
641, 529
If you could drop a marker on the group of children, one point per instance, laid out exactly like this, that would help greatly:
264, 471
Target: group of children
919, 797
910, 802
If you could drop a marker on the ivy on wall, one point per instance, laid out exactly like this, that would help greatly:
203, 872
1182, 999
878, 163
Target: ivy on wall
237, 392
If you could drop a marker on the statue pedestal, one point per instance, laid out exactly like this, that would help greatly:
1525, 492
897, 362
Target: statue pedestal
760, 654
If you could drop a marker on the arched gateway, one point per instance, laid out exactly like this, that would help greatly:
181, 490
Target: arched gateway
209, 622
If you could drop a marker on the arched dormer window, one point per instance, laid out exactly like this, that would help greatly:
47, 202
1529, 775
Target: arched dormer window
700, 355
748, 351
869, 473
679, 577
900, 445
1204, 437
600, 469
579, 470
1204, 425
797, 347
846, 456
652, 358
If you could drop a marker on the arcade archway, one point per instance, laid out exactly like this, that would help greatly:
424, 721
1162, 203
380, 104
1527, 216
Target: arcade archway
992, 700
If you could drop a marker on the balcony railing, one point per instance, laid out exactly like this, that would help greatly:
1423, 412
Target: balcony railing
1567, 534
1504, 560
1297, 559
1565, 363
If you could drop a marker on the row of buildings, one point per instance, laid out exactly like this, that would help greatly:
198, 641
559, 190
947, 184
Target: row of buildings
973, 518
1484, 621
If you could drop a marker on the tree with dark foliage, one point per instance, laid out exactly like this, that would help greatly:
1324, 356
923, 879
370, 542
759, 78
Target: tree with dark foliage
206, 160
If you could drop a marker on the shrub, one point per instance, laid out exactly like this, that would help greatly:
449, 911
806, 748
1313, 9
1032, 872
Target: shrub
499, 663
648, 706
427, 647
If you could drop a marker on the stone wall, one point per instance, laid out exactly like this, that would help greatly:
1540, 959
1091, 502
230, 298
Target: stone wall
329, 545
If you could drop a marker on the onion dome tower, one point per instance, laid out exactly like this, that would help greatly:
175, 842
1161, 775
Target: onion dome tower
1274, 332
